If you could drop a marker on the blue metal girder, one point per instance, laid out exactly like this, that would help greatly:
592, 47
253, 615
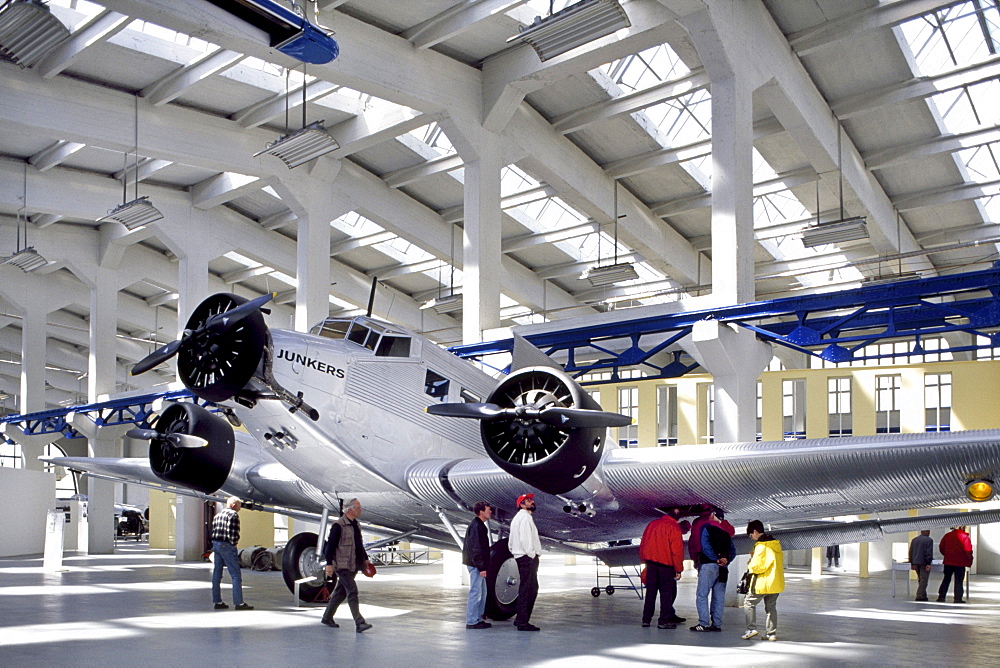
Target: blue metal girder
129, 410
833, 325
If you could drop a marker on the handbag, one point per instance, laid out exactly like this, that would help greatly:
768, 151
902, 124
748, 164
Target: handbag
746, 583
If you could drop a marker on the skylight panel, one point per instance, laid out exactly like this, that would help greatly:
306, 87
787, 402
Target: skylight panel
354, 224
683, 120
434, 136
645, 69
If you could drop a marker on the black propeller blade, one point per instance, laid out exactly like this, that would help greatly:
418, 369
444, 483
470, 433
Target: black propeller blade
157, 357
464, 410
216, 325
176, 439
223, 322
557, 416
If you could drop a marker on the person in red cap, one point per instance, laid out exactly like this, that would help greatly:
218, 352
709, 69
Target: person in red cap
525, 547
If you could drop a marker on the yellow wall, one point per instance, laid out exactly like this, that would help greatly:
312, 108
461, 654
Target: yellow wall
975, 395
256, 527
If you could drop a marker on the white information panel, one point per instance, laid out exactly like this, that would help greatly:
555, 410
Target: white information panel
54, 524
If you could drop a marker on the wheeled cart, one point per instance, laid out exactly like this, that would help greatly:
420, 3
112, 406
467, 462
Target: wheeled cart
619, 575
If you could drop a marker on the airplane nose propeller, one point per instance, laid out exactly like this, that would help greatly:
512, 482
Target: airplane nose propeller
217, 325
176, 440
557, 416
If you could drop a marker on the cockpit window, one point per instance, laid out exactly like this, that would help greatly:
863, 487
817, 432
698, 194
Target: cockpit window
372, 341
334, 329
393, 346
358, 334
436, 385
469, 397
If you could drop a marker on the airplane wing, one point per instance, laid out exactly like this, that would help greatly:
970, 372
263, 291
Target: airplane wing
781, 483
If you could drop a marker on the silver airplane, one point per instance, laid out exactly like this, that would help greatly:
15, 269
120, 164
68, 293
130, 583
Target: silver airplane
362, 408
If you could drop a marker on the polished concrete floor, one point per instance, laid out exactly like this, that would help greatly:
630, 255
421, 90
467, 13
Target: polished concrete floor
139, 607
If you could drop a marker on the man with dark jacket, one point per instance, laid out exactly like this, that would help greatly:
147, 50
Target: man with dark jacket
662, 552
921, 556
345, 553
956, 547
717, 550
476, 556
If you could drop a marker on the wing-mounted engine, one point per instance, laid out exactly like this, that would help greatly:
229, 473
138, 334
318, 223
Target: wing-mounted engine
541, 427
190, 446
225, 352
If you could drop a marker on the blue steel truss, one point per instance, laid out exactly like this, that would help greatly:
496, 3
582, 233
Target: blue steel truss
135, 410
835, 326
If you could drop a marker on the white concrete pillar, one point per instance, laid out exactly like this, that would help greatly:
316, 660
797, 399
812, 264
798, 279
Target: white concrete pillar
312, 298
101, 371
33, 338
315, 203
732, 192
189, 542
735, 358
192, 288
481, 242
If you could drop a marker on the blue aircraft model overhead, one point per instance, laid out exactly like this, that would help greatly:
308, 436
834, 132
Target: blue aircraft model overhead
290, 32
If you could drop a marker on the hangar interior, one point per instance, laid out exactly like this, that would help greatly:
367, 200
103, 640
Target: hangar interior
468, 184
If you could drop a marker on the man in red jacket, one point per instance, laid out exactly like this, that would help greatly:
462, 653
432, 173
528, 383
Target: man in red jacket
956, 546
662, 550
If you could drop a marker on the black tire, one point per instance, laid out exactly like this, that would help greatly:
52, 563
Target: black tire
502, 583
299, 561
610, 589
595, 592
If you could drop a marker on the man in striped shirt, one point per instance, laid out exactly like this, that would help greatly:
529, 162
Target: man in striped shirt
225, 537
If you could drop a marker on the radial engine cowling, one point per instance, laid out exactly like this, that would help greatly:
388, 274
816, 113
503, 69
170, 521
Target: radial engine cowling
205, 468
543, 453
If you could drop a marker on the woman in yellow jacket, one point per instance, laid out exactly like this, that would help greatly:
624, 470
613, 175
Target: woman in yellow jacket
768, 565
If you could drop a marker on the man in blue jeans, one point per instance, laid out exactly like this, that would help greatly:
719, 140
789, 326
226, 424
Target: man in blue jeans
476, 556
717, 550
225, 538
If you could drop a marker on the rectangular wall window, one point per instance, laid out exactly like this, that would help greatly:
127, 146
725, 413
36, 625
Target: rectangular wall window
793, 409
628, 404
839, 406
709, 403
760, 410
10, 456
887, 404
666, 415
937, 402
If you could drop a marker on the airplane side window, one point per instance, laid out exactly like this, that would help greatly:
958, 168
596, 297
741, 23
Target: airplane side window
469, 397
358, 334
436, 385
393, 346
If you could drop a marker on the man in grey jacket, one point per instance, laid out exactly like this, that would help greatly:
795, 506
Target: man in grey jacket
345, 553
921, 556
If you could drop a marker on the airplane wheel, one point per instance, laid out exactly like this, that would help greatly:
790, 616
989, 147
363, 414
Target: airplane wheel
502, 582
300, 561
610, 589
595, 592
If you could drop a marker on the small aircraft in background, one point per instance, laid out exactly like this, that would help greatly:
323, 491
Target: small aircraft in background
290, 31
361, 408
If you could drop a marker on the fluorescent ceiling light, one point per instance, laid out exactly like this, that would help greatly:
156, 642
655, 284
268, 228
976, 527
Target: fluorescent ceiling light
26, 259
610, 274
889, 278
444, 305
134, 214
835, 232
301, 146
27, 30
573, 26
